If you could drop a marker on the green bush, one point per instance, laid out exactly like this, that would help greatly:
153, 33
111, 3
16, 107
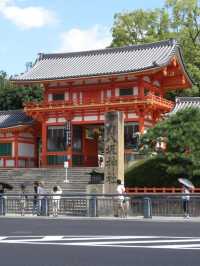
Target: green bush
150, 173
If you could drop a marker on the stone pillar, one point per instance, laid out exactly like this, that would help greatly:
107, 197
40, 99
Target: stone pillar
114, 150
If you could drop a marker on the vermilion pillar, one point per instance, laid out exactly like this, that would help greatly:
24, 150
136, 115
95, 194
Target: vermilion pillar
141, 123
44, 144
16, 150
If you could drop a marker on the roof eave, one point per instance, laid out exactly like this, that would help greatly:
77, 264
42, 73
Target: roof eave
137, 72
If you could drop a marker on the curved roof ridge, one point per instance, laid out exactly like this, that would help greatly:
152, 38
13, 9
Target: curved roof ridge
187, 99
12, 111
171, 42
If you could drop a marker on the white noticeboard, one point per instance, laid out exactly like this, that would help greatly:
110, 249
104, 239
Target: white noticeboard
66, 164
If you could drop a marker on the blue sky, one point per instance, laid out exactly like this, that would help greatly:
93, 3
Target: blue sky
28, 27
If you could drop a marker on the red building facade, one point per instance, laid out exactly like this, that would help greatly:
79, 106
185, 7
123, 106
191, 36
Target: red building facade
18, 140
80, 87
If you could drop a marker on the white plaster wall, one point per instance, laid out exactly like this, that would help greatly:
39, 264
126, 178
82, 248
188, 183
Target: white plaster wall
66, 96
132, 115
135, 91
50, 97
77, 118
10, 163
22, 163
61, 119
26, 149
117, 92
9, 135
102, 117
51, 120
109, 93
90, 117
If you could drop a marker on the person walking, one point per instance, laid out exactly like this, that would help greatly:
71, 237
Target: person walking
186, 199
23, 200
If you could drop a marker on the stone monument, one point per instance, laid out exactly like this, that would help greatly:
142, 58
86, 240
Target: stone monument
114, 150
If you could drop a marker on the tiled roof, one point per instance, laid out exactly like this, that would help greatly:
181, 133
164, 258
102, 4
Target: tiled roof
14, 118
185, 102
102, 62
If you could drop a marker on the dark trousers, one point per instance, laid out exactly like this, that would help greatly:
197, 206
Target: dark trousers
43, 206
186, 206
2, 206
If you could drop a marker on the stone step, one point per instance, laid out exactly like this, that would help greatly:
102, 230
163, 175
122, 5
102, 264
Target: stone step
78, 178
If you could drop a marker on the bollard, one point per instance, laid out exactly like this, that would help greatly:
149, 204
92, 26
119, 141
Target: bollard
147, 208
93, 206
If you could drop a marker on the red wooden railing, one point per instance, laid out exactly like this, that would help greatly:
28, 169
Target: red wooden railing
158, 190
152, 99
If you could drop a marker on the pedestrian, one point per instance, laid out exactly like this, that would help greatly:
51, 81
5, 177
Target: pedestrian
42, 199
185, 201
23, 200
2, 200
56, 195
119, 201
35, 198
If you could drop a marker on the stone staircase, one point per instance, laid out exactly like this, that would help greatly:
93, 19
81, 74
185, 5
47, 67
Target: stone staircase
78, 178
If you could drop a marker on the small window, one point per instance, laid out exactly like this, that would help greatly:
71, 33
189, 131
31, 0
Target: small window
58, 97
126, 91
5, 149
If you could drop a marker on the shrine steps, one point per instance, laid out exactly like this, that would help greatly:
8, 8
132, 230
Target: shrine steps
78, 178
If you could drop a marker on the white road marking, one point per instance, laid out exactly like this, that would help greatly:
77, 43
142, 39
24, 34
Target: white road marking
165, 242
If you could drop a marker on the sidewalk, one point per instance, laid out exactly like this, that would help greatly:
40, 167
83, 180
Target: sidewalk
110, 218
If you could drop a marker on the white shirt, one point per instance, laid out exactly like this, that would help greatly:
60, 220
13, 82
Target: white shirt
120, 190
186, 191
56, 195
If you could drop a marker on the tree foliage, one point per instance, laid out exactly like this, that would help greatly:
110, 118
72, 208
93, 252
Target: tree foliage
13, 97
181, 132
179, 19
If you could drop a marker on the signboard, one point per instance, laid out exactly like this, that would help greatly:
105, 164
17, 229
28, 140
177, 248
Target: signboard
67, 134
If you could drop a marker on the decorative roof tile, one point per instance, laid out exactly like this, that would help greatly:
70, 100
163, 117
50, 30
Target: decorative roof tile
102, 62
14, 118
185, 102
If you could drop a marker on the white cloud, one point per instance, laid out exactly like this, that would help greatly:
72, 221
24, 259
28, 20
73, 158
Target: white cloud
26, 17
77, 39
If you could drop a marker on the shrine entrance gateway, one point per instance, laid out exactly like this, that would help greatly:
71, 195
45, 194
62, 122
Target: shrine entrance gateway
87, 145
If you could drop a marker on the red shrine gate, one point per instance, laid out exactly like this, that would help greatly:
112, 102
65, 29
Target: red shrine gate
80, 87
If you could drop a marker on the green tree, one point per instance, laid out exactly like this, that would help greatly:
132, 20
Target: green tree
13, 97
179, 19
181, 132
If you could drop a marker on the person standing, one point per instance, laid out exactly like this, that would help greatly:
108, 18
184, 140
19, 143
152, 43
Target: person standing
23, 200
56, 200
42, 199
2, 200
120, 212
35, 197
186, 199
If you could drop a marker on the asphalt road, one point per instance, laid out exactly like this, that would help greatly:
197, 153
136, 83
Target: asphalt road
84, 242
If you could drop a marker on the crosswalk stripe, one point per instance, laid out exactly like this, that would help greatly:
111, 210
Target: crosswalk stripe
153, 242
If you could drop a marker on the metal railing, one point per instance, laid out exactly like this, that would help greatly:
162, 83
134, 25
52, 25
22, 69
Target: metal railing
98, 205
